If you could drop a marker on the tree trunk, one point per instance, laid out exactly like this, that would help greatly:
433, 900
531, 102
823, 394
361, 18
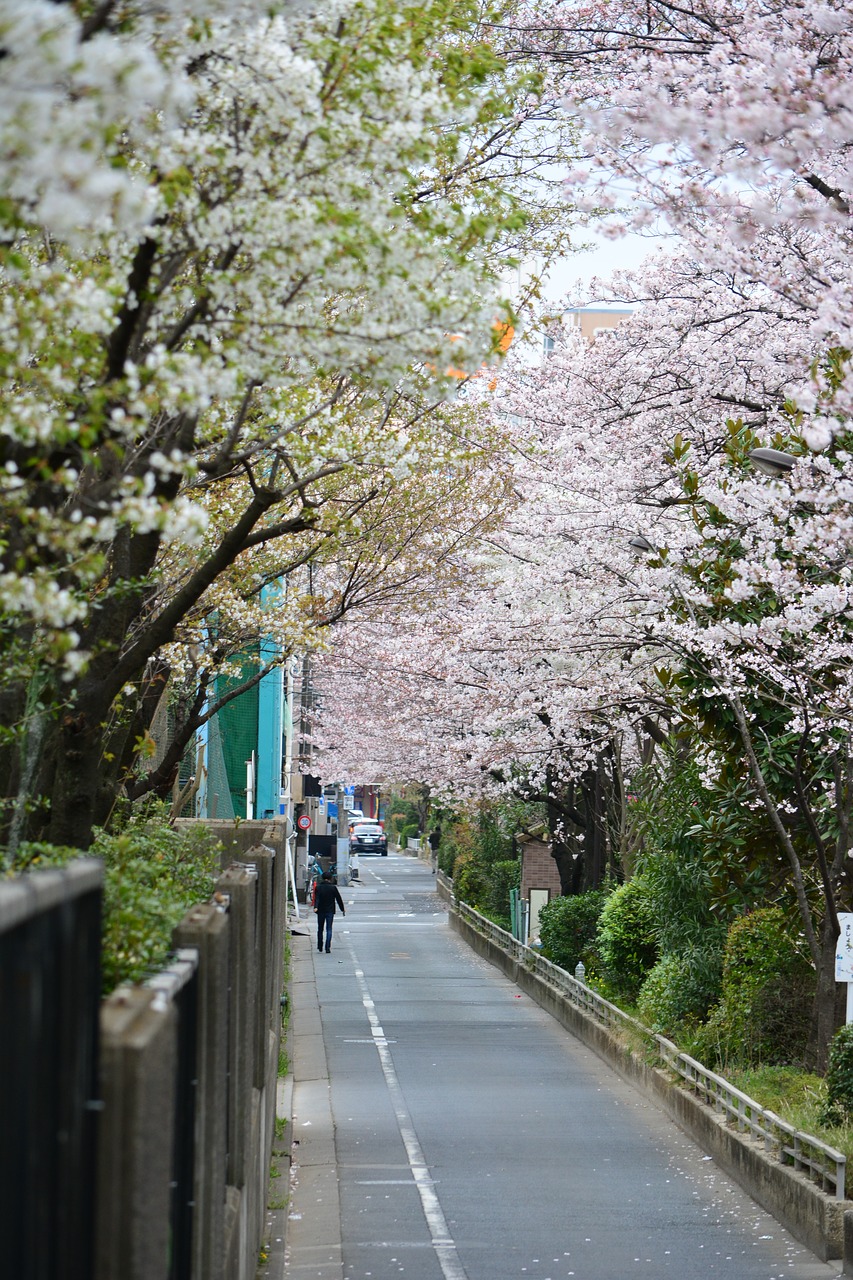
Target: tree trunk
77, 794
829, 994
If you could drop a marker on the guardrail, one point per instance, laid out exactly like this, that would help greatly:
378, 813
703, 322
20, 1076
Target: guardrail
782, 1142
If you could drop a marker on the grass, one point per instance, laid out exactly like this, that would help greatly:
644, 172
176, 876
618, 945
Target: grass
798, 1097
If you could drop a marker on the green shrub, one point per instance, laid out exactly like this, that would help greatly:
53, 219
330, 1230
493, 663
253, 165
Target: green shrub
567, 927
407, 831
153, 874
838, 1108
471, 883
680, 990
502, 878
626, 938
765, 1008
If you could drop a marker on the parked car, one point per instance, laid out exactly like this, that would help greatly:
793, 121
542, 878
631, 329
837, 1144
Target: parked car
368, 837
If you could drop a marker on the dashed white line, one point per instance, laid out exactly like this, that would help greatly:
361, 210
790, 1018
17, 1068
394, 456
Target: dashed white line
442, 1241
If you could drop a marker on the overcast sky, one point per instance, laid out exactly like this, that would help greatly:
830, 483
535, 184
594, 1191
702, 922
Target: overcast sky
605, 257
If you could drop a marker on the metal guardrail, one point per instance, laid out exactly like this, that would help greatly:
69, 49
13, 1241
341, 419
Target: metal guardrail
782, 1142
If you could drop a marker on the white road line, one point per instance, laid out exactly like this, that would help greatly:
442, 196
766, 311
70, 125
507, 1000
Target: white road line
442, 1241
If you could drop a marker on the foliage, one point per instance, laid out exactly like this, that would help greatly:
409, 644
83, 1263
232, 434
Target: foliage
627, 938
408, 831
476, 852
764, 1012
679, 991
456, 846
704, 852
245, 255
153, 874
839, 1078
568, 927
503, 877
403, 813
471, 882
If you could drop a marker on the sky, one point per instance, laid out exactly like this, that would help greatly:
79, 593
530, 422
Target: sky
604, 257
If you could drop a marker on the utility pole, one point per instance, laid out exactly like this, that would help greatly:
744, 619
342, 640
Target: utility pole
342, 849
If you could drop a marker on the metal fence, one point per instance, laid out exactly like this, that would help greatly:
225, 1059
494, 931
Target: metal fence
50, 990
782, 1141
177, 983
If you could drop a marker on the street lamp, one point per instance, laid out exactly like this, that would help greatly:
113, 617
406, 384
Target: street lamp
773, 462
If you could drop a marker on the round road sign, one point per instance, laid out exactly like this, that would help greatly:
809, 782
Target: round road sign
303, 822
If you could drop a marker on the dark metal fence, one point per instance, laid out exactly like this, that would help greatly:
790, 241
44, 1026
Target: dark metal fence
50, 990
178, 982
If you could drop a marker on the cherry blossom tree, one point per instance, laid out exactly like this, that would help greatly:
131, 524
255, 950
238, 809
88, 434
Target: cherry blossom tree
651, 581
727, 125
234, 240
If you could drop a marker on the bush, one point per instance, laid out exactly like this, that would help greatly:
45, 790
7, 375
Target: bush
768, 986
838, 1108
153, 874
626, 938
567, 927
407, 831
471, 883
502, 878
680, 990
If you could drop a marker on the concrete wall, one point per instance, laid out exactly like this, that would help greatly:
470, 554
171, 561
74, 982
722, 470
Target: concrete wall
814, 1217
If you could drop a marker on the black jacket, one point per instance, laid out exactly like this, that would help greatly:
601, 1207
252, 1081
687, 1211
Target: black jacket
325, 896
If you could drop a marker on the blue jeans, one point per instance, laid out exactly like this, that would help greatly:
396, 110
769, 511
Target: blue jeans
324, 919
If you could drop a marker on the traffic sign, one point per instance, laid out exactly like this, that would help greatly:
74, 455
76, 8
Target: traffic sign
303, 822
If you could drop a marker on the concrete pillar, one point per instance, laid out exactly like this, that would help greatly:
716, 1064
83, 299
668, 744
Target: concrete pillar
135, 1137
206, 927
263, 859
847, 1269
239, 883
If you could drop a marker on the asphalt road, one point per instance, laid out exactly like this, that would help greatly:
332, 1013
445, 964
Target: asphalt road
446, 1128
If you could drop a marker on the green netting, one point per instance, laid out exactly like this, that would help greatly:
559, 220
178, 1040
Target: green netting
238, 729
219, 802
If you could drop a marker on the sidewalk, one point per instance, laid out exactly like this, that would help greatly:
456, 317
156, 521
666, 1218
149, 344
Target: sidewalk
303, 1227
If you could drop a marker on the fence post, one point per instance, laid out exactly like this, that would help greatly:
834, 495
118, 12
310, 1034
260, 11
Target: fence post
206, 928
135, 1147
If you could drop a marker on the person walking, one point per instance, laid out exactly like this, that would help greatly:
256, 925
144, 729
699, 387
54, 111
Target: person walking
326, 898
434, 838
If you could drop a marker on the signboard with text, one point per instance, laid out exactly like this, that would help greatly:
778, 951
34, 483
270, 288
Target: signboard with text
844, 948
